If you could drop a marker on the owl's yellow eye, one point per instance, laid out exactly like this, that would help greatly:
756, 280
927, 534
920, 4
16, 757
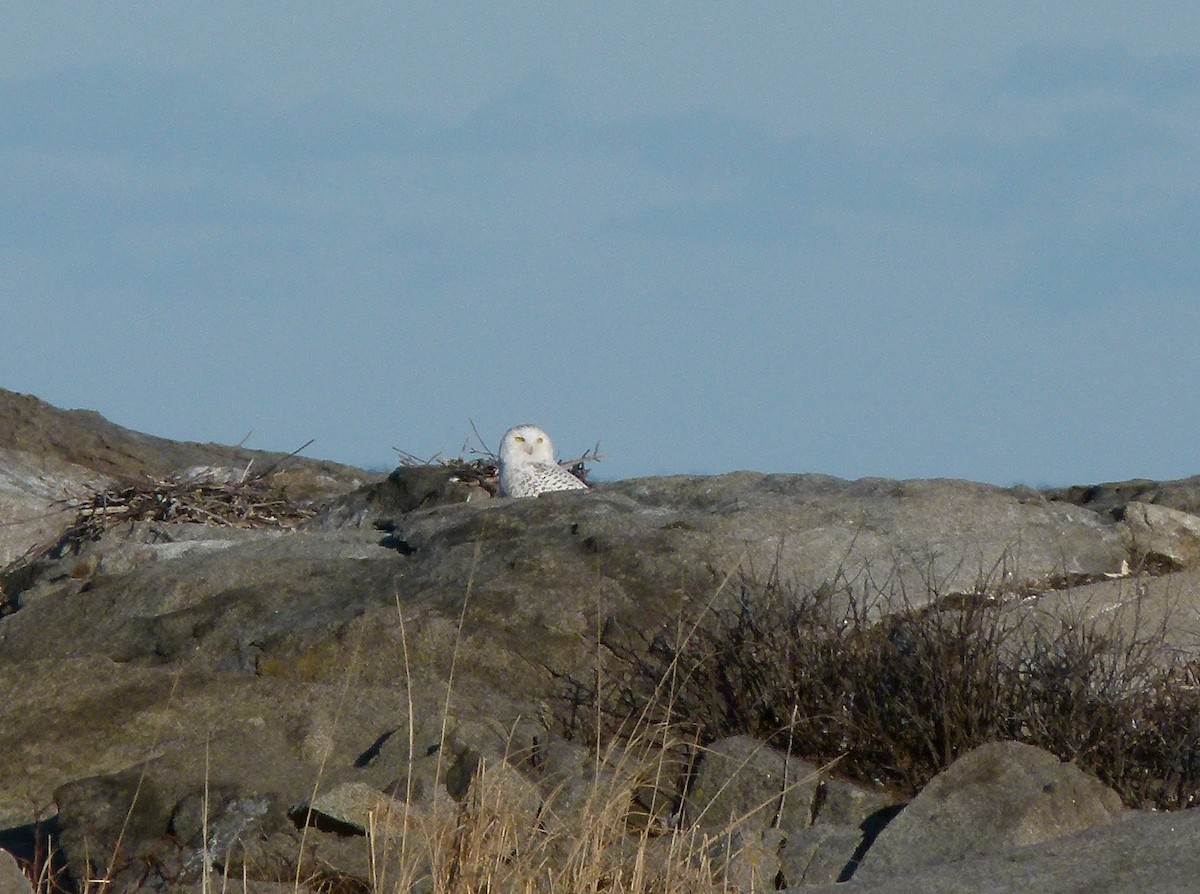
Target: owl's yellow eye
540, 440
519, 438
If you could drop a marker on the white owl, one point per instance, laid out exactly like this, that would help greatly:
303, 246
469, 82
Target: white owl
528, 466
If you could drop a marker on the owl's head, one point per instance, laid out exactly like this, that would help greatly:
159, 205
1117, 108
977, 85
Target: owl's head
525, 443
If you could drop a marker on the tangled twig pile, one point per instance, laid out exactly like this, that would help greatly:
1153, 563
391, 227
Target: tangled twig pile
208, 498
249, 503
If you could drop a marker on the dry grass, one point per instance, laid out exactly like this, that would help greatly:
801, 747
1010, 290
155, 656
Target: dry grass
502, 837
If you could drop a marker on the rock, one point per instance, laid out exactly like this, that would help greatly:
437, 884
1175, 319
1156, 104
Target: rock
574, 786
503, 808
1162, 536
996, 797
915, 539
1147, 853
744, 788
819, 854
1110, 498
225, 608
1160, 612
748, 859
32, 490
84, 438
12, 879
842, 803
350, 806
115, 828
743, 783
406, 489
86, 734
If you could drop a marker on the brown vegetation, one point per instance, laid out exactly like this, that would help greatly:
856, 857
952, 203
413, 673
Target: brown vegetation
898, 694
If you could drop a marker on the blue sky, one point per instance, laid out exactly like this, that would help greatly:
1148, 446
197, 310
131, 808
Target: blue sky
858, 239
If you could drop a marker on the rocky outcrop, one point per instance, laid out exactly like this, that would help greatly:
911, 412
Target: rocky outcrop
183, 696
1112, 497
1162, 535
910, 539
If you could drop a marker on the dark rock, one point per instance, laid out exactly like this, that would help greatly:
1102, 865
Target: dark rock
406, 489
1110, 498
115, 828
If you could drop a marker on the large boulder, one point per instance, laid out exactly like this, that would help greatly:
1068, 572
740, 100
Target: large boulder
123, 754
996, 797
1111, 498
1162, 535
1154, 616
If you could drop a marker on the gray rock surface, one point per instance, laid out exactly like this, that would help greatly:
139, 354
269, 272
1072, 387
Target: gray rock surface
12, 879
778, 817
32, 490
907, 539
1131, 609
742, 783
996, 797
1162, 534
819, 855
1147, 853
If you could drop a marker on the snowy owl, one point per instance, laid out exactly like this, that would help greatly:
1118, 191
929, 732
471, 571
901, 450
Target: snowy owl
528, 466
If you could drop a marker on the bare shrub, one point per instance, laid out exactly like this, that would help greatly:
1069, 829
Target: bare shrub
898, 692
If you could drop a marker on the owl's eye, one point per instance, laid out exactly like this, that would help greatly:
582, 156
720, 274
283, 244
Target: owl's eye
540, 440
519, 438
